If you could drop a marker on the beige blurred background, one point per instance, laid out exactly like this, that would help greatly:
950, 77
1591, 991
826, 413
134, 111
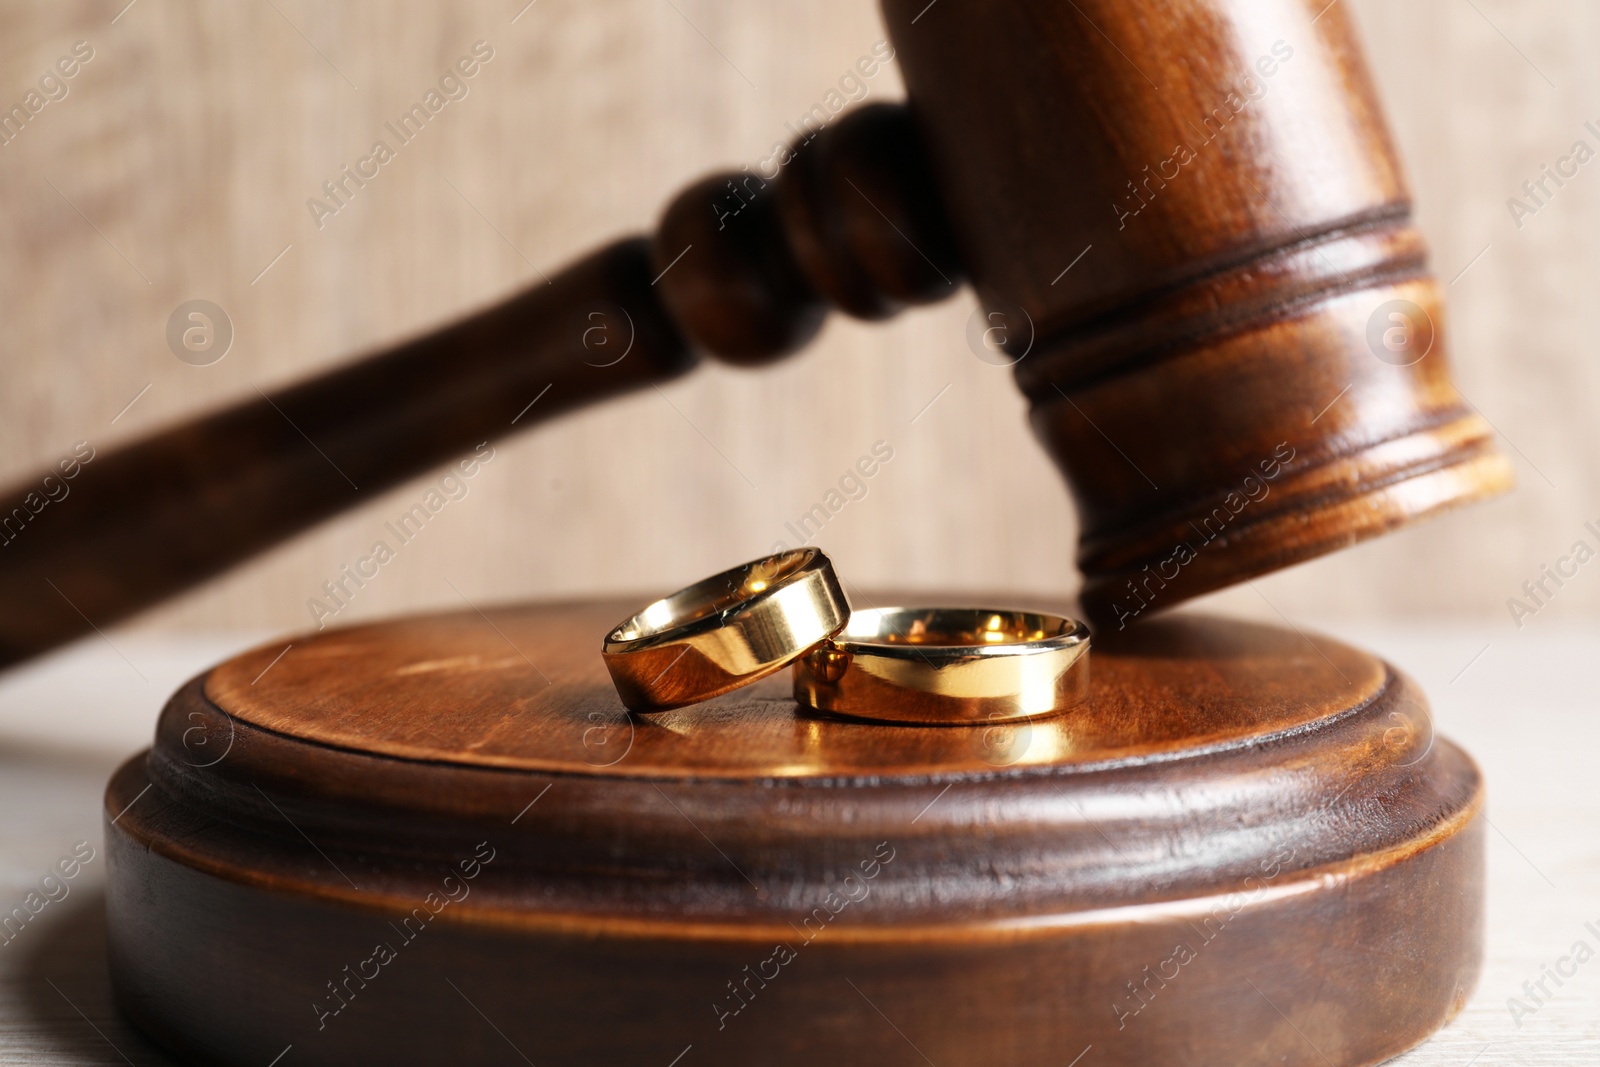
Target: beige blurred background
179, 164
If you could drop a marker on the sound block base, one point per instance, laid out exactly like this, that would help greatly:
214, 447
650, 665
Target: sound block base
405, 843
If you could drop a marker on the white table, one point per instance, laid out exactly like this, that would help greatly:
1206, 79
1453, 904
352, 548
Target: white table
1526, 708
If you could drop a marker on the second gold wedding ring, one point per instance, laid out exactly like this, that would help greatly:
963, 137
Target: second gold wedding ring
956, 666
726, 631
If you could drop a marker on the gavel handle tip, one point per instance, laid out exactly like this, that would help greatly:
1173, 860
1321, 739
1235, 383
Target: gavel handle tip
139, 523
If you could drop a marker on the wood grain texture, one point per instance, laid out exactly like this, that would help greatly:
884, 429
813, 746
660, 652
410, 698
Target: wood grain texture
193, 142
1221, 383
68, 721
1279, 846
526, 690
178, 507
1217, 324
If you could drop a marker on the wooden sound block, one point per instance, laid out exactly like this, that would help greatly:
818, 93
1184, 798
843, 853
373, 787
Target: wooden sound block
441, 840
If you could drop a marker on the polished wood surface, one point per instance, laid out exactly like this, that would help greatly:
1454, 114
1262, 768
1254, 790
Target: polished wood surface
70, 721
526, 690
852, 220
1276, 802
174, 509
1205, 378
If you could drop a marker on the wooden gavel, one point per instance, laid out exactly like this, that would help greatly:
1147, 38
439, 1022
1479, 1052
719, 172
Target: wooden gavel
1189, 230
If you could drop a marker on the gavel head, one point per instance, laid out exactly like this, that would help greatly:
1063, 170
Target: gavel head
1190, 234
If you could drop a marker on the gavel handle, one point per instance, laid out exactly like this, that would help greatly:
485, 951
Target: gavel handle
737, 269
145, 521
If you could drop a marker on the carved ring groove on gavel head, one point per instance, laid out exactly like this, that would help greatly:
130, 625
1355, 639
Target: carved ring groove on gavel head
1234, 217
1236, 351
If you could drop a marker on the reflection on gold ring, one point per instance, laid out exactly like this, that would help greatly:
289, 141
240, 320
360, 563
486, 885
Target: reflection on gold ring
958, 666
727, 631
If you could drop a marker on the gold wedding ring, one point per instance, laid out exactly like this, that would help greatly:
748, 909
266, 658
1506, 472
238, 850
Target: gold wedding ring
725, 632
958, 666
